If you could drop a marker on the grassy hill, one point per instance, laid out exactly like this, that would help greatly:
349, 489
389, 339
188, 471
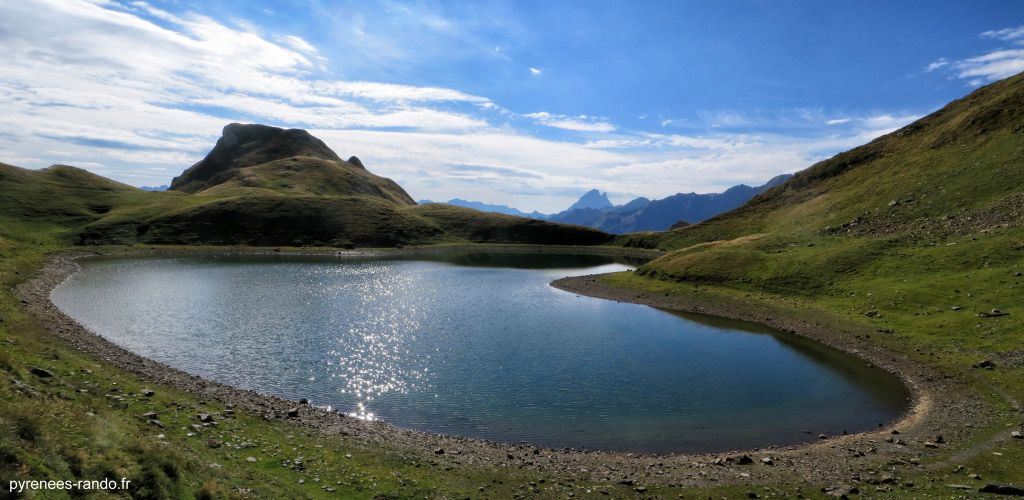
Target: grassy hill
245, 145
917, 236
259, 186
307, 175
966, 156
928, 217
956, 173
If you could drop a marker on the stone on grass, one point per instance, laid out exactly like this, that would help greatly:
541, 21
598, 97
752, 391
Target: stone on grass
1000, 489
40, 372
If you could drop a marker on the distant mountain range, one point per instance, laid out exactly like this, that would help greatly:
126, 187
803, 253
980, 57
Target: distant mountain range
594, 209
487, 207
162, 187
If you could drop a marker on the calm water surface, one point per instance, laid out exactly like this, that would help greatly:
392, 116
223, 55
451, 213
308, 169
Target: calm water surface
480, 345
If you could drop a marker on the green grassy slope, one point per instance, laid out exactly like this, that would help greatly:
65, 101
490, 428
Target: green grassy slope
259, 186
954, 177
295, 201
271, 219
927, 178
466, 224
306, 175
917, 235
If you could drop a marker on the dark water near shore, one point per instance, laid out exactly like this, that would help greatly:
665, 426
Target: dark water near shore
480, 345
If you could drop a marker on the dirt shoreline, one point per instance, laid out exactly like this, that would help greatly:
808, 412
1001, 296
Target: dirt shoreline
939, 408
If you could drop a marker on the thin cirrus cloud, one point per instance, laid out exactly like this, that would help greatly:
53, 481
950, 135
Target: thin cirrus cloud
989, 67
1006, 34
580, 123
138, 93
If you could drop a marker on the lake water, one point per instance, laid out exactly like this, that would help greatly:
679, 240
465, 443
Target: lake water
480, 345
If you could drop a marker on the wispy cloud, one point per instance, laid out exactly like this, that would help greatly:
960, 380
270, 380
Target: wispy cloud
941, 62
581, 123
1005, 34
138, 93
389, 92
991, 67
995, 65
535, 71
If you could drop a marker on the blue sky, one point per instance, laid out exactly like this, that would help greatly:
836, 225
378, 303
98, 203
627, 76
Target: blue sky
522, 103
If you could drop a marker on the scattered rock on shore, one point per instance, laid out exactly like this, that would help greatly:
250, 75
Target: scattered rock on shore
40, 372
1000, 489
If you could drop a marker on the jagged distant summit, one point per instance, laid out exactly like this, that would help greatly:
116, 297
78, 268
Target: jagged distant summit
592, 199
246, 145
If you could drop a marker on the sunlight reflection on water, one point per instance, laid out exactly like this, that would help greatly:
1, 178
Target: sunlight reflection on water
479, 345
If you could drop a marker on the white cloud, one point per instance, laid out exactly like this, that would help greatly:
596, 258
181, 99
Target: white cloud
138, 94
939, 63
399, 93
886, 121
1005, 34
992, 66
995, 65
120, 85
298, 44
535, 71
837, 121
579, 124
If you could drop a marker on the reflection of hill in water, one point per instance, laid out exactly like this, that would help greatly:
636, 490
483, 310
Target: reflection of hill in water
528, 261
459, 258
885, 388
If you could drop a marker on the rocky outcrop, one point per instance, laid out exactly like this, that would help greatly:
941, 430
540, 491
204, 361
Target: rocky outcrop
246, 145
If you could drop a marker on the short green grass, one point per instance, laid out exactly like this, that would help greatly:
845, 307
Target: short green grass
915, 234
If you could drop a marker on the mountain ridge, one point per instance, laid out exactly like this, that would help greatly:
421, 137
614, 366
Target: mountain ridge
639, 214
642, 214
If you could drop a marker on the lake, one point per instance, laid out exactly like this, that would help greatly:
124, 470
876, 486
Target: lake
480, 345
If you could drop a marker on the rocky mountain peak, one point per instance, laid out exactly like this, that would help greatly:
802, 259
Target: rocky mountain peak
592, 199
245, 145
